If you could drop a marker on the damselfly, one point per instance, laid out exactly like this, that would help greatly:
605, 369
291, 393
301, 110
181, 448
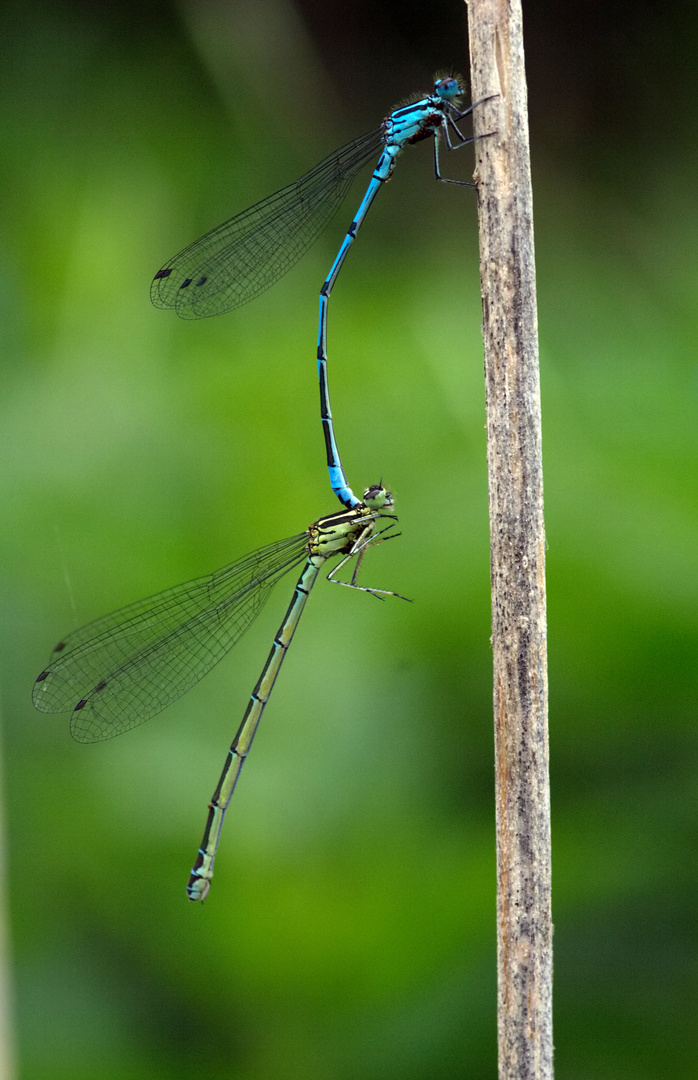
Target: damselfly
241, 258
117, 672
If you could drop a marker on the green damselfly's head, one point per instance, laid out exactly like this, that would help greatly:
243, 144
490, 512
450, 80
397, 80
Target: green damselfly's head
376, 497
449, 87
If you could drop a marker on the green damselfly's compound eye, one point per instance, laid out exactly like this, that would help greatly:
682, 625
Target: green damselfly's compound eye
376, 497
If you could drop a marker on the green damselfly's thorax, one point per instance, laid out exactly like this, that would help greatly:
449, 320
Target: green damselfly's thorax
347, 531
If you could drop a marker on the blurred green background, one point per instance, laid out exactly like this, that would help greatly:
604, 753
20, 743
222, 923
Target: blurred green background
350, 930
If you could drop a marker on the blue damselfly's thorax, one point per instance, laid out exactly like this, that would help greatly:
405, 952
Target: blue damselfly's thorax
419, 119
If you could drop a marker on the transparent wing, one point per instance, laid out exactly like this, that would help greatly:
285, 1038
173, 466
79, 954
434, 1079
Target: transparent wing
120, 670
241, 258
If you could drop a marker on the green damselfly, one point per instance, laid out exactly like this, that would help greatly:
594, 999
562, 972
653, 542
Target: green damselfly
118, 671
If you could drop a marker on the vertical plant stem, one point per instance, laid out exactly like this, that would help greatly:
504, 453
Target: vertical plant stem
517, 537
7, 1060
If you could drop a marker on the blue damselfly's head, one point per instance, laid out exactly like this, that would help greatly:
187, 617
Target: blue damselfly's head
377, 497
448, 88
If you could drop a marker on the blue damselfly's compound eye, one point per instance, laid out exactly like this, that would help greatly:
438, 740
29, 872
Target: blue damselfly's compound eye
448, 88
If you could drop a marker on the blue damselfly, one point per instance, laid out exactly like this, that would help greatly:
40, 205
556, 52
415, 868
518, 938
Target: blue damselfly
244, 256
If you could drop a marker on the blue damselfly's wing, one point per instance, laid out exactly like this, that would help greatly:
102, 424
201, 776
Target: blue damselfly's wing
244, 256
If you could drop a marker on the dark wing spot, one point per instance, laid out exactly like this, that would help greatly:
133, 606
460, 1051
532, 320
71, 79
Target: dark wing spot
202, 280
42, 676
60, 646
163, 273
99, 686
187, 281
80, 705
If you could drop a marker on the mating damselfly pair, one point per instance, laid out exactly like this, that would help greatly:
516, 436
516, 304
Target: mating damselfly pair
118, 671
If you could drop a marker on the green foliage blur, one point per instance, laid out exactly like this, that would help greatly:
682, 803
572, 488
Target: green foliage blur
350, 930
